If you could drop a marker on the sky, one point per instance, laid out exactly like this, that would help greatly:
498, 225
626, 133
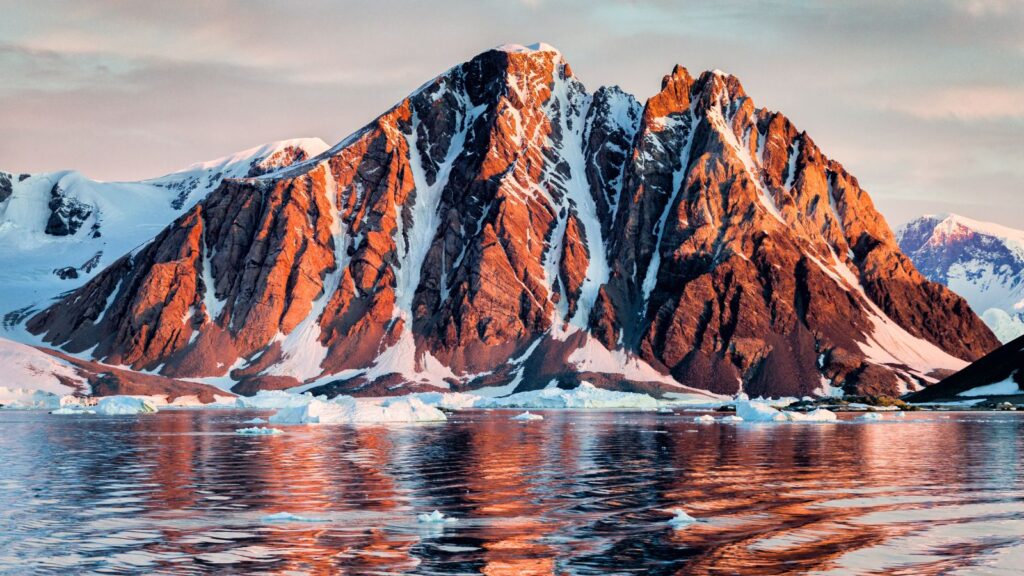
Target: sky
923, 101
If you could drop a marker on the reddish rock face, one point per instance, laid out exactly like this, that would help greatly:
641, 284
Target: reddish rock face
502, 225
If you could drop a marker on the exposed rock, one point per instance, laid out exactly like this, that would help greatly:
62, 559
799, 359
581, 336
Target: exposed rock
67, 214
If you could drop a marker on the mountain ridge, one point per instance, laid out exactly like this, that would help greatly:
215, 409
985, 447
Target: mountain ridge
504, 227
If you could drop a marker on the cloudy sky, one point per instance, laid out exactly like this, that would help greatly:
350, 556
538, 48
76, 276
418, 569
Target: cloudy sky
922, 100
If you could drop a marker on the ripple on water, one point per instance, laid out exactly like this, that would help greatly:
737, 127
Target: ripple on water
583, 493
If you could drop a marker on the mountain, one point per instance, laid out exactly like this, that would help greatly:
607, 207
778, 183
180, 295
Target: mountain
59, 229
981, 261
504, 228
998, 375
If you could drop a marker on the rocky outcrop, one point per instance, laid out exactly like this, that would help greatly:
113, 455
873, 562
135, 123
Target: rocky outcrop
67, 213
504, 227
6, 188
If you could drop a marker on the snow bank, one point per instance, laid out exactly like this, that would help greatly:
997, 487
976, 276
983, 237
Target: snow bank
259, 431
32, 369
525, 416
760, 411
28, 399
124, 405
586, 395
348, 410
1004, 388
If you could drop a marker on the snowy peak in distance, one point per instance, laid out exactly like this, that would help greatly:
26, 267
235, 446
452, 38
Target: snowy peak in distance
981, 261
503, 228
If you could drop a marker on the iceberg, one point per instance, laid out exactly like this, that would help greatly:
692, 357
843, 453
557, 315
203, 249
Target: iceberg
349, 410
760, 411
259, 431
704, 419
124, 405
586, 395
255, 421
870, 417
525, 416
272, 400
436, 517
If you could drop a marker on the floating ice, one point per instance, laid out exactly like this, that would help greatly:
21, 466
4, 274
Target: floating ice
435, 517
760, 411
281, 517
704, 419
586, 395
870, 417
73, 410
732, 419
124, 405
273, 400
665, 410
681, 519
259, 431
348, 410
527, 416
255, 421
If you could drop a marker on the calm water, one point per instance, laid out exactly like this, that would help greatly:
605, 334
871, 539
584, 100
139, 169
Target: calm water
577, 493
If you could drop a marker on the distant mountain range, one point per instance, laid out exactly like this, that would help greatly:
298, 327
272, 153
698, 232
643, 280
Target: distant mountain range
981, 261
500, 228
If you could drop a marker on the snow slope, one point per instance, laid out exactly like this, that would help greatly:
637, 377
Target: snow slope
59, 229
25, 368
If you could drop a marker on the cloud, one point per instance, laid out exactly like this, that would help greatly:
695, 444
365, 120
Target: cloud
969, 103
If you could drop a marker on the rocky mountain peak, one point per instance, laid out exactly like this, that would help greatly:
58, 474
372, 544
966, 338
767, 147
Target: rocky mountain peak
504, 227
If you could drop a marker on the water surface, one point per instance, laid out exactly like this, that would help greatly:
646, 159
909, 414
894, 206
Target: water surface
576, 493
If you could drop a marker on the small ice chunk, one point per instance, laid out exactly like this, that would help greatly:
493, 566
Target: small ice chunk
527, 416
681, 519
255, 421
124, 405
665, 410
870, 417
259, 431
901, 414
73, 410
732, 419
704, 419
436, 517
281, 517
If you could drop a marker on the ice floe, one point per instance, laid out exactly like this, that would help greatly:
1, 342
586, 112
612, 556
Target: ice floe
525, 416
731, 419
259, 431
586, 395
255, 421
704, 419
436, 517
681, 519
348, 410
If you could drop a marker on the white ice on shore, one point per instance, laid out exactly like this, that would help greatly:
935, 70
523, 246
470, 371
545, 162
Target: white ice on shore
272, 400
525, 416
436, 517
124, 405
349, 410
28, 399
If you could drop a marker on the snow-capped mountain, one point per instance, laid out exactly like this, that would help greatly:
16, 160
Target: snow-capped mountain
981, 261
60, 229
504, 228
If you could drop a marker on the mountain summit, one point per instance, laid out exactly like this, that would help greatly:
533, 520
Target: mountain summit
502, 227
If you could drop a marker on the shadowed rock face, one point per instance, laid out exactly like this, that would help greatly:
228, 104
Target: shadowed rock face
503, 226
